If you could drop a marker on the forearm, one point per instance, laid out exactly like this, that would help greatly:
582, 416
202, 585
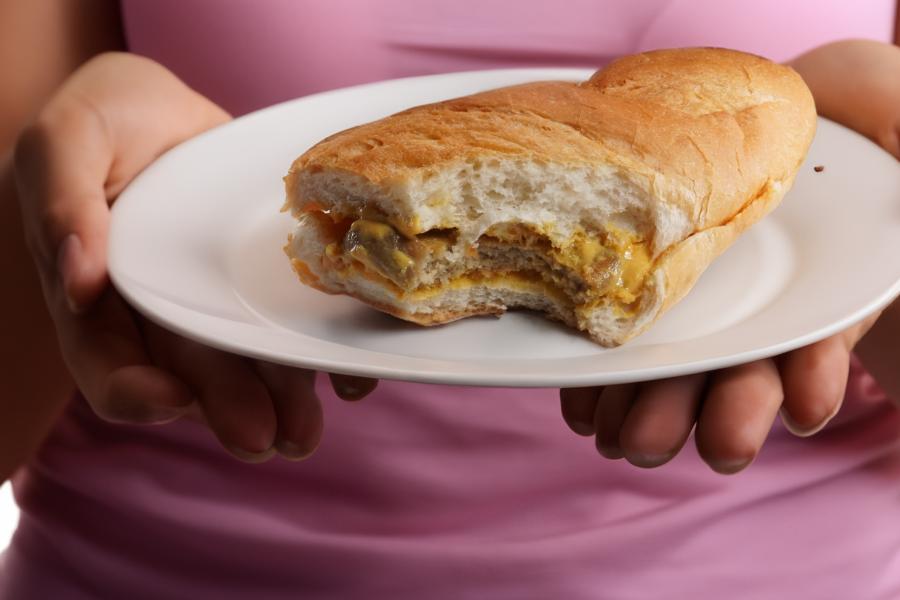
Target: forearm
34, 382
41, 43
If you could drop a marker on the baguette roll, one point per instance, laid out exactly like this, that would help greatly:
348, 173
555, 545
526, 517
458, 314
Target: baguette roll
598, 203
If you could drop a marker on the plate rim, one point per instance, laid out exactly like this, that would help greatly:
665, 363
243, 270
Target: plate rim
130, 290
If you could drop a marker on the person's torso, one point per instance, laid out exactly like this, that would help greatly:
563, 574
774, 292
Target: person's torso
246, 54
441, 492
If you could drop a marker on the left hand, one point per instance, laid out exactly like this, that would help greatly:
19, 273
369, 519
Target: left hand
105, 124
855, 83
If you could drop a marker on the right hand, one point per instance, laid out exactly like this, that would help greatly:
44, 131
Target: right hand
109, 120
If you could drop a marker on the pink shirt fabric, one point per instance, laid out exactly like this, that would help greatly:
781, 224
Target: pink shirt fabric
441, 492
247, 54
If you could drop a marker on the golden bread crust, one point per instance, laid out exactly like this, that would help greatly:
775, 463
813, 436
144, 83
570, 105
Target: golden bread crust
717, 135
708, 128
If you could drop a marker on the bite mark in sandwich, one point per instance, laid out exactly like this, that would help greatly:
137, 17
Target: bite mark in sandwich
598, 203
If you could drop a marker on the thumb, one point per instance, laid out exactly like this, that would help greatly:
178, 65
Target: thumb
81, 269
115, 115
61, 164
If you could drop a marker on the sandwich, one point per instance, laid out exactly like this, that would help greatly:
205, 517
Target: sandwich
597, 203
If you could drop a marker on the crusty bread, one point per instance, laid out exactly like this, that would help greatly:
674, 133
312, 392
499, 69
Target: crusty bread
599, 203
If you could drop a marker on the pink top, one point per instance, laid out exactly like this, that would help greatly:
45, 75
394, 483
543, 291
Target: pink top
438, 492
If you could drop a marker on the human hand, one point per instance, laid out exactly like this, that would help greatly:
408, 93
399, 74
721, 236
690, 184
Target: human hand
106, 123
733, 409
855, 83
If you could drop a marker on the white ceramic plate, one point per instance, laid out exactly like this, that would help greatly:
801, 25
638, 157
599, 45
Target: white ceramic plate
196, 245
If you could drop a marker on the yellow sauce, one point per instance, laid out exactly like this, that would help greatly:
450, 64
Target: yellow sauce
590, 255
634, 263
584, 253
373, 229
401, 260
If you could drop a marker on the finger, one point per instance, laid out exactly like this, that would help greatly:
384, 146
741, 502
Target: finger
873, 350
98, 131
106, 356
236, 404
889, 139
660, 419
612, 408
143, 394
297, 409
737, 414
350, 387
64, 208
578, 408
814, 379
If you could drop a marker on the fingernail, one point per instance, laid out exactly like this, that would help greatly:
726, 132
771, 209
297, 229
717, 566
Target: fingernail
251, 457
649, 461
349, 391
68, 266
791, 425
163, 415
581, 428
292, 451
351, 387
611, 452
730, 467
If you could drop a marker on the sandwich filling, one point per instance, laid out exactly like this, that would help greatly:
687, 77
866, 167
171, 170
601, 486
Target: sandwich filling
582, 271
